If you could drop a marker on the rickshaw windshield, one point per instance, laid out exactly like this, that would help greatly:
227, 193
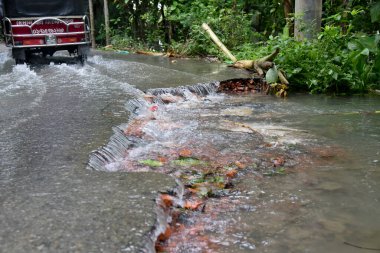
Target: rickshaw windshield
43, 8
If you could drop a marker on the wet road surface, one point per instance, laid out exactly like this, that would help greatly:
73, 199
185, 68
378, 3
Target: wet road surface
51, 118
324, 198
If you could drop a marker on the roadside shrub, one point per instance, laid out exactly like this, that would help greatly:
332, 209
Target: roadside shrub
231, 25
333, 63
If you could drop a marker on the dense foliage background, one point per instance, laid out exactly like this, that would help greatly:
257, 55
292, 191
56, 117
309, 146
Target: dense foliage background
343, 58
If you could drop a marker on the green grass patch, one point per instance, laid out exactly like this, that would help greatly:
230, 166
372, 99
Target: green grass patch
188, 162
151, 163
276, 172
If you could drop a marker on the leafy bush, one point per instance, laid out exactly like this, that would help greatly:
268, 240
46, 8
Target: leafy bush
334, 63
364, 58
231, 25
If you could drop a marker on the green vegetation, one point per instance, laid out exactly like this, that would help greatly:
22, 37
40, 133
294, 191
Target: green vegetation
333, 63
344, 58
276, 172
151, 163
188, 162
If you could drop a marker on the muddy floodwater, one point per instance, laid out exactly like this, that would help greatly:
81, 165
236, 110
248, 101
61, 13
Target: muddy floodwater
132, 153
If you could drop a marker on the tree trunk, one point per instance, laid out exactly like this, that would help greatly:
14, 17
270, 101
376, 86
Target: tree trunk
166, 27
288, 9
345, 13
234, 5
92, 24
107, 22
308, 15
137, 22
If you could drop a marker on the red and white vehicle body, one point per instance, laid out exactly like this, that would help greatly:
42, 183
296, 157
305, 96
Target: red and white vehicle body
46, 35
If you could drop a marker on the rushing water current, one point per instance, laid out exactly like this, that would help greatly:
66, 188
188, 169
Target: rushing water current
329, 201
309, 166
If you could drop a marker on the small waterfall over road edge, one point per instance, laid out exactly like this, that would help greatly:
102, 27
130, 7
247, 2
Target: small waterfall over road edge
115, 150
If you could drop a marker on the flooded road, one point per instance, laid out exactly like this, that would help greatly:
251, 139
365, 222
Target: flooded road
51, 118
263, 174
272, 175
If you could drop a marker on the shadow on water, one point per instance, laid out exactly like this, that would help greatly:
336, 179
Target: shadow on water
36, 60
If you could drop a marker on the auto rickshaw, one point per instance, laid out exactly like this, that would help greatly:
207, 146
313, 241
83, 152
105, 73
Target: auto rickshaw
44, 27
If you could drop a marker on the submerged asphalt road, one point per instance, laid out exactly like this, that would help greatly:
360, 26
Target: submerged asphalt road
51, 118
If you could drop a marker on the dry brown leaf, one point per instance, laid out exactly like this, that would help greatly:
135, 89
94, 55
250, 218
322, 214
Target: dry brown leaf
185, 153
279, 161
192, 205
162, 159
231, 173
167, 200
240, 165
165, 235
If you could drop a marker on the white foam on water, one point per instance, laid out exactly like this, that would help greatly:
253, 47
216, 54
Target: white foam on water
97, 59
4, 57
22, 78
26, 89
280, 134
88, 76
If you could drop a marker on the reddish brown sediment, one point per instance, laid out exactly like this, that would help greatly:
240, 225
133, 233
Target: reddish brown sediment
244, 85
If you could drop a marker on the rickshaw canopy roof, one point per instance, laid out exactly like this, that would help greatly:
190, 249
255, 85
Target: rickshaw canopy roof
42, 8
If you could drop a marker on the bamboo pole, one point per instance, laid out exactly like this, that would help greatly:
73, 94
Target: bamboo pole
218, 42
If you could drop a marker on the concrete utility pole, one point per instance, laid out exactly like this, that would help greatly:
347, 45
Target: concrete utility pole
308, 15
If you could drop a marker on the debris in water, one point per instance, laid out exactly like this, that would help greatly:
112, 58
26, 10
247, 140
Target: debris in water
153, 108
167, 200
279, 161
188, 162
193, 205
244, 85
240, 165
151, 163
209, 156
231, 173
135, 128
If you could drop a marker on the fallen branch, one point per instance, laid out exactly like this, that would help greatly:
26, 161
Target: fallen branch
282, 78
261, 66
218, 42
271, 56
149, 53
